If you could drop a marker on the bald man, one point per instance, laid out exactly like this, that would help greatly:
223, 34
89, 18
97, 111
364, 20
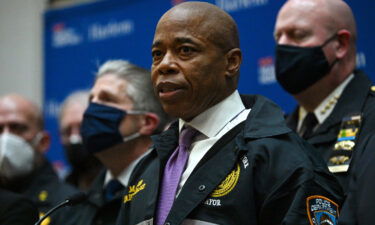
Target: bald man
315, 63
23, 167
229, 159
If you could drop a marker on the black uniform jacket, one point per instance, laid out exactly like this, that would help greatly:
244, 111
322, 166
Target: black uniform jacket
96, 210
357, 97
359, 206
260, 172
16, 209
45, 189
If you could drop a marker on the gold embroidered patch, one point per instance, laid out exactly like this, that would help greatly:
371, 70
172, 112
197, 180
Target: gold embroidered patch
228, 184
133, 190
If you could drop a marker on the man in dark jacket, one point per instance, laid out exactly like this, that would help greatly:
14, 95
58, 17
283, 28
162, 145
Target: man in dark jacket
122, 115
236, 161
16, 209
23, 167
359, 206
315, 62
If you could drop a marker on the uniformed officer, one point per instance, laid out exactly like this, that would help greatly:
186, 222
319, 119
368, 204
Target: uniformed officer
23, 167
84, 166
122, 115
229, 159
315, 63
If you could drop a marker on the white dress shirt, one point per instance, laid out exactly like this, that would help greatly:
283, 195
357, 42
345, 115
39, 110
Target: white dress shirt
212, 125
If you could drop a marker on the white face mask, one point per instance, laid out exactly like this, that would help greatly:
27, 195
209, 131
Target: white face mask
75, 139
16, 155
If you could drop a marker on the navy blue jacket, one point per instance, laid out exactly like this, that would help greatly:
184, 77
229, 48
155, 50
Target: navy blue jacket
359, 206
16, 209
96, 210
260, 172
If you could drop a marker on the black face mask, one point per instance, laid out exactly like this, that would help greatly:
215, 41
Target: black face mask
297, 68
77, 156
100, 127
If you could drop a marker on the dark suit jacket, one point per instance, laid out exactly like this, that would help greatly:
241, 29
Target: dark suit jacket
16, 209
260, 172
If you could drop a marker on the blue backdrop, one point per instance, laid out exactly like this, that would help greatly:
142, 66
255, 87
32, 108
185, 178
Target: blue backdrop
78, 39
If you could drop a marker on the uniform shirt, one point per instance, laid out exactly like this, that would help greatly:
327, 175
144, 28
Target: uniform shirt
325, 108
357, 97
212, 125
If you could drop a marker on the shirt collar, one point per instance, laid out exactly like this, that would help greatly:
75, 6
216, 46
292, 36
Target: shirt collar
325, 108
214, 119
124, 176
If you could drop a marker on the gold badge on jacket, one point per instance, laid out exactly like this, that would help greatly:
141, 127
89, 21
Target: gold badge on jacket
228, 184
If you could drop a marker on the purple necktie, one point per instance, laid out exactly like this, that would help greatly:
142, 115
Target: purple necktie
172, 174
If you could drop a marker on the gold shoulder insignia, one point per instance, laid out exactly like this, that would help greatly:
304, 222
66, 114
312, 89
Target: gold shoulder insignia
133, 190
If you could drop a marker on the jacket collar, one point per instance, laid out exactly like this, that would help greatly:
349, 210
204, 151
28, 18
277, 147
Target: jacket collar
266, 119
166, 141
352, 100
95, 194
